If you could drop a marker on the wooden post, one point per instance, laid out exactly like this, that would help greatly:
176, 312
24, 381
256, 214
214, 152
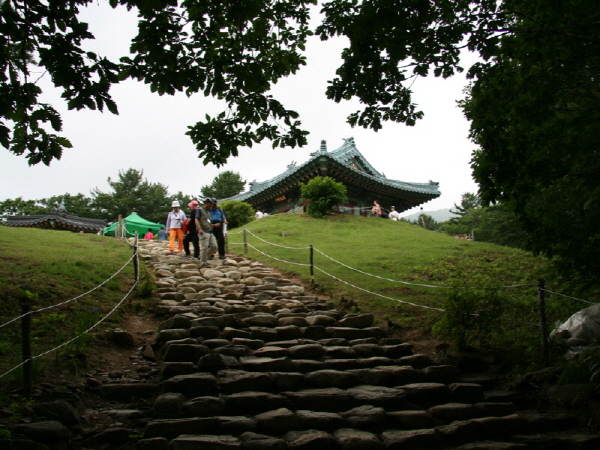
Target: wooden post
136, 259
312, 269
245, 242
118, 229
26, 347
543, 323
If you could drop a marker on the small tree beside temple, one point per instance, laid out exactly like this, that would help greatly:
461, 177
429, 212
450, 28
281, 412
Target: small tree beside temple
324, 194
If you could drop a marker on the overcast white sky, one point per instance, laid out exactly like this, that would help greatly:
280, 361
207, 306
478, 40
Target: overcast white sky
149, 132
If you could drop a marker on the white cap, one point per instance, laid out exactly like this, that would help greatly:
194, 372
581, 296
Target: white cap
175, 204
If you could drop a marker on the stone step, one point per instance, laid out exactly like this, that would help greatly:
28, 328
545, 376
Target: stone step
360, 428
249, 361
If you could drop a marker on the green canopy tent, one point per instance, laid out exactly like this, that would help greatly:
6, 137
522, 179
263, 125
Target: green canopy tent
132, 223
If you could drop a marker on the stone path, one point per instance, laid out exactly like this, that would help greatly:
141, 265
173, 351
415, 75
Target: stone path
249, 361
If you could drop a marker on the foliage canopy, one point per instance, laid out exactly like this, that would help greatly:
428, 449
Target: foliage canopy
225, 185
238, 213
324, 194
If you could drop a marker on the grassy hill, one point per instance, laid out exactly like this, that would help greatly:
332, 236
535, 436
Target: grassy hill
364, 264
46, 268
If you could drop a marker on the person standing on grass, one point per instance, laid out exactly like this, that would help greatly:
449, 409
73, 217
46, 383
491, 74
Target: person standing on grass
394, 215
149, 235
174, 226
219, 221
193, 230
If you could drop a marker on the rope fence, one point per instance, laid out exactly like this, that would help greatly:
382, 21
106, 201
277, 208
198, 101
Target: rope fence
74, 298
26, 357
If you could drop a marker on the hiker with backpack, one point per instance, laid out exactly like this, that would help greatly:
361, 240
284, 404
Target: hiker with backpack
191, 227
206, 236
219, 222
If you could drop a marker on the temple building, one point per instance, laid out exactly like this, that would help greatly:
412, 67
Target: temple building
57, 219
347, 165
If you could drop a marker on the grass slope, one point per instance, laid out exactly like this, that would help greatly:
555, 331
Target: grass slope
55, 267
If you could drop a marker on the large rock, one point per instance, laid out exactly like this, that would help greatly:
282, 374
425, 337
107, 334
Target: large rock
50, 432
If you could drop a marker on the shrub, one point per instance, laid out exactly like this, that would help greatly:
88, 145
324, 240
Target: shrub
238, 213
324, 194
472, 316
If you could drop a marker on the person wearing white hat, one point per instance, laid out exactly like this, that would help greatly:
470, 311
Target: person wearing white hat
174, 227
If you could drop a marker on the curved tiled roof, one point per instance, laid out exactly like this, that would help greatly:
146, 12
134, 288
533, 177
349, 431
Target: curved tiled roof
351, 159
57, 220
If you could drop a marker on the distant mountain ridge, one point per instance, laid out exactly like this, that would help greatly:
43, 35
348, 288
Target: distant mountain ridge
440, 215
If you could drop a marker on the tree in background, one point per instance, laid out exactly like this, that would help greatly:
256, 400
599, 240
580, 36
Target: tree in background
535, 114
133, 193
466, 222
468, 202
238, 213
225, 185
496, 224
20, 207
183, 200
324, 194
76, 205
427, 222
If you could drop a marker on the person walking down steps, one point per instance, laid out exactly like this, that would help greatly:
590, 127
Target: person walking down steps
219, 221
207, 239
193, 234
174, 227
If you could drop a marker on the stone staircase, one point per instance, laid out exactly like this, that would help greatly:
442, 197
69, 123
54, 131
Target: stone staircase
249, 361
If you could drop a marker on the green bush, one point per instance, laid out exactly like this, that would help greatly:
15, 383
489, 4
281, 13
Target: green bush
238, 213
472, 316
324, 194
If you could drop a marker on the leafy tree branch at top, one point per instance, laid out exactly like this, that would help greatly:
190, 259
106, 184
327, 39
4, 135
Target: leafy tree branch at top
234, 51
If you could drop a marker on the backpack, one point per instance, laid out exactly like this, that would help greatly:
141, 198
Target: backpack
186, 226
191, 222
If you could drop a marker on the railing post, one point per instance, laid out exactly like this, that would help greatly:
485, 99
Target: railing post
26, 348
312, 269
543, 323
136, 260
118, 228
245, 241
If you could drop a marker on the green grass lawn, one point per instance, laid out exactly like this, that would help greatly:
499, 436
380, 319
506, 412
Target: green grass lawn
55, 267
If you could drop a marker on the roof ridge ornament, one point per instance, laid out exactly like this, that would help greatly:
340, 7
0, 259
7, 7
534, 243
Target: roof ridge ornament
323, 148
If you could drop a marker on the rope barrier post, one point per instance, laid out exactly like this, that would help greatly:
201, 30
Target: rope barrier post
26, 348
136, 260
543, 323
312, 266
118, 228
245, 241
